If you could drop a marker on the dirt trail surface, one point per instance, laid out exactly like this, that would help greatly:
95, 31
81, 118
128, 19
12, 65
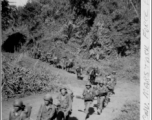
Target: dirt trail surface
124, 91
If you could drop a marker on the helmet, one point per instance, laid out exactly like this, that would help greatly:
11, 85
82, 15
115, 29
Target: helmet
88, 84
113, 72
108, 77
63, 88
98, 79
18, 103
101, 82
48, 97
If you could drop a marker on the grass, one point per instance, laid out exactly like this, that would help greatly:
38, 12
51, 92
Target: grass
127, 68
130, 111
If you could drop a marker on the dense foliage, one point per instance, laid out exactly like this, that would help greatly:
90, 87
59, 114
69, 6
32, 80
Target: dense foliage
111, 27
78, 29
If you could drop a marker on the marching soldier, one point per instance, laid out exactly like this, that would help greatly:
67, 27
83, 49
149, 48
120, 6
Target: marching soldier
16, 113
65, 105
113, 75
19, 111
88, 98
101, 95
26, 113
79, 72
47, 110
70, 92
110, 85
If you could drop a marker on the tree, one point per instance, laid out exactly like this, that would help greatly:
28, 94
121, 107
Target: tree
6, 16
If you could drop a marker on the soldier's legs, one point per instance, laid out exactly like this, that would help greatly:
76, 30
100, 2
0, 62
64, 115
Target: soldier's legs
87, 106
101, 103
60, 115
107, 99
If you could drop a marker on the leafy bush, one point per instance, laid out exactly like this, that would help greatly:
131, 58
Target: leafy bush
22, 81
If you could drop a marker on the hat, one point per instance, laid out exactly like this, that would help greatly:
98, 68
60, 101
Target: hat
18, 103
48, 97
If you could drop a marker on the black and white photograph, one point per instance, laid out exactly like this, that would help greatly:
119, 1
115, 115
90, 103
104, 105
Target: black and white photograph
75, 59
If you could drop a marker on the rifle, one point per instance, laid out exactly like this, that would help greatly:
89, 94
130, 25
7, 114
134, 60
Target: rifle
82, 98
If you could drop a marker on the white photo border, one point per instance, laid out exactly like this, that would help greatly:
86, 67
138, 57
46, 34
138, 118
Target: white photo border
145, 60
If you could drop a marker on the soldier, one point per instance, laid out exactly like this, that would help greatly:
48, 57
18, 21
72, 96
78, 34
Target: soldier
70, 92
65, 104
47, 110
88, 98
113, 75
26, 113
18, 108
101, 95
110, 85
79, 72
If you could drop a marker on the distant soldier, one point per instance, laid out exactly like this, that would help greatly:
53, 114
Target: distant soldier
69, 64
79, 72
110, 85
47, 110
65, 105
113, 76
49, 57
93, 75
70, 92
55, 61
101, 94
88, 98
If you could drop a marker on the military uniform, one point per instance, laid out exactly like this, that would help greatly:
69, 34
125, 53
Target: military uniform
47, 112
88, 98
26, 113
79, 72
110, 85
101, 95
18, 115
65, 106
15, 116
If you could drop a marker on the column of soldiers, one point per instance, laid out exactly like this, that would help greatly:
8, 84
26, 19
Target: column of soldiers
102, 91
61, 111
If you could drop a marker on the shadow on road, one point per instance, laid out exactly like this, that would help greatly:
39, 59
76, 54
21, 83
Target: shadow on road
91, 110
73, 118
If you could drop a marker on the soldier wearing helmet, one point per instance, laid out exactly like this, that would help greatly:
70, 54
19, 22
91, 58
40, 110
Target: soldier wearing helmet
88, 98
26, 113
47, 110
110, 85
113, 76
18, 108
65, 104
101, 93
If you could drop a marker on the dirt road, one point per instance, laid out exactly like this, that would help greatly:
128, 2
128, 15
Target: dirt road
125, 91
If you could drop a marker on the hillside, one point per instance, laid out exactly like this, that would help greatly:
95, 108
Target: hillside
41, 39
